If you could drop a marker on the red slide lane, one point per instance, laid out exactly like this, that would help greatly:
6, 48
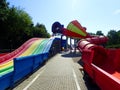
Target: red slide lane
17, 52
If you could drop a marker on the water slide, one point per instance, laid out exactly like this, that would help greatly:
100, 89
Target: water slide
101, 64
33, 46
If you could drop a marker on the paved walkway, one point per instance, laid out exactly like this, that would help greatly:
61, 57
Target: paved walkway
59, 73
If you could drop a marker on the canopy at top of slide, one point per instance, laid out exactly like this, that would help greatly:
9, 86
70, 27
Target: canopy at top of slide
74, 29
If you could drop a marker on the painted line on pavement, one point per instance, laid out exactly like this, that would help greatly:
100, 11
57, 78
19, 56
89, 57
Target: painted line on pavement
33, 80
76, 81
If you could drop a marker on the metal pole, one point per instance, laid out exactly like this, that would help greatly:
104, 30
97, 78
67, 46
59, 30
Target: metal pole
66, 43
70, 44
61, 41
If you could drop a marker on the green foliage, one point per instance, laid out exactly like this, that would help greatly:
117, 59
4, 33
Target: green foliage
3, 10
40, 31
90, 33
99, 33
114, 39
16, 26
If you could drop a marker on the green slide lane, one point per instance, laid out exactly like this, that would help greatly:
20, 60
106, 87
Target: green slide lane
7, 71
41, 47
37, 47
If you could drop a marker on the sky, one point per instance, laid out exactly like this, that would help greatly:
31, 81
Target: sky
95, 15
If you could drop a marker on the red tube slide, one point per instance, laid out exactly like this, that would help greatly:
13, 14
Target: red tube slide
102, 65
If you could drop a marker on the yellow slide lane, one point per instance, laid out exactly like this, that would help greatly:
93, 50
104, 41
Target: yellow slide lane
5, 65
31, 48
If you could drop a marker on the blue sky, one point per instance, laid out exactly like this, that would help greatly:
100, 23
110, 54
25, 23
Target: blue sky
95, 15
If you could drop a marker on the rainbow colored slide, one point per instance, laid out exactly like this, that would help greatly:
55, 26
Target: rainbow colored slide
33, 46
24, 60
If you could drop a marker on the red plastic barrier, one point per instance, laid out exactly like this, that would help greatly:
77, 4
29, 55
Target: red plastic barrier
102, 65
87, 56
100, 55
105, 80
117, 60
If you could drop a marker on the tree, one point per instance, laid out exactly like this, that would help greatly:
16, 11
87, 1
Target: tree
16, 26
113, 37
40, 31
118, 33
3, 10
90, 33
99, 33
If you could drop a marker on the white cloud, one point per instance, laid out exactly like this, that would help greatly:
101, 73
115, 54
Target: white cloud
116, 12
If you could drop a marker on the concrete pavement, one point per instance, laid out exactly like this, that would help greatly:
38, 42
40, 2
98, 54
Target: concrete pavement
59, 73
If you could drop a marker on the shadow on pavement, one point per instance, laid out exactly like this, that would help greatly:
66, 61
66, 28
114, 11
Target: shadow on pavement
70, 54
